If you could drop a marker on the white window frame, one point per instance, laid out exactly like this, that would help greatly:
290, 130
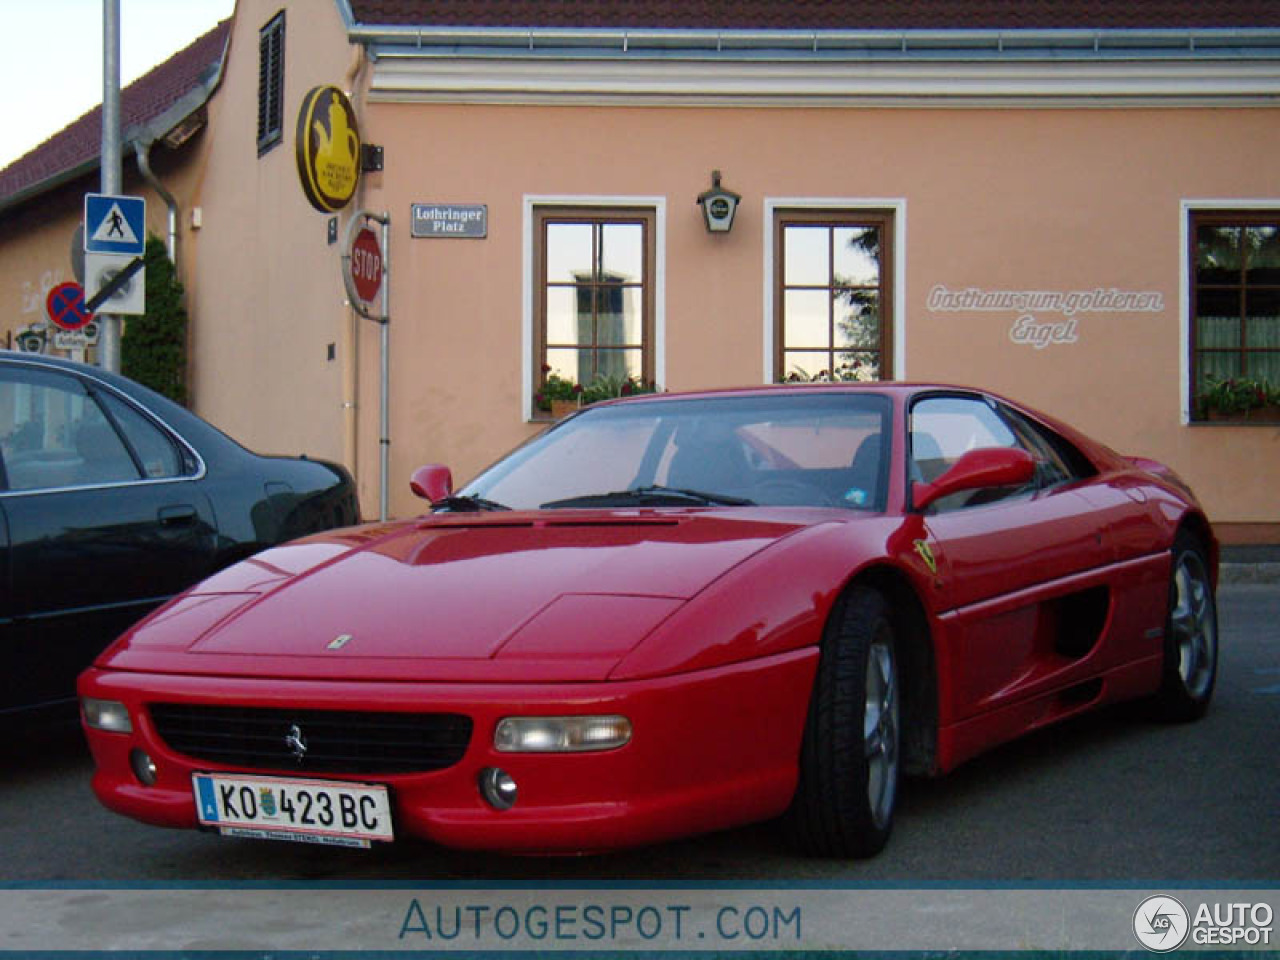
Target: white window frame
897, 206
529, 281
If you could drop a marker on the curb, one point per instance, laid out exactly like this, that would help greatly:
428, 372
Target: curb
1249, 572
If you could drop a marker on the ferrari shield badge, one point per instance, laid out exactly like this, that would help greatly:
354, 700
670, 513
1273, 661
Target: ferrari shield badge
926, 554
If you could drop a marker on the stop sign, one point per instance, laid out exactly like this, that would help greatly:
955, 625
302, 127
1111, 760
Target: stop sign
366, 264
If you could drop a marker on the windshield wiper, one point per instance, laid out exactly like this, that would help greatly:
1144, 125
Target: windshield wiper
650, 496
464, 504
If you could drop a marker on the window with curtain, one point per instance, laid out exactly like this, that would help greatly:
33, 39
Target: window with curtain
594, 297
834, 295
1235, 301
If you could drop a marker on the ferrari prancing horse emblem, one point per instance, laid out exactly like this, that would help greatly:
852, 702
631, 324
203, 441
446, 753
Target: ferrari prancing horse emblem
926, 554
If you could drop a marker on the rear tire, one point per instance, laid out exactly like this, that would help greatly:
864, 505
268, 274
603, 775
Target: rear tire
1190, 635
850, 757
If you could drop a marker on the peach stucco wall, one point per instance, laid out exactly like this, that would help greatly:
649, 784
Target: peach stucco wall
997, 199
269, 300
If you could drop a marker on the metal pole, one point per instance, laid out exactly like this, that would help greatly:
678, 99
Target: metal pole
384, 414
109, 346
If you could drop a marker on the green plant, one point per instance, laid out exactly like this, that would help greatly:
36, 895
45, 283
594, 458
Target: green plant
1237, 395
602, 387
854, 371
555, 387
153, 348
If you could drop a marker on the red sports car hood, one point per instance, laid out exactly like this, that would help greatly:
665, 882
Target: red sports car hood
528, 597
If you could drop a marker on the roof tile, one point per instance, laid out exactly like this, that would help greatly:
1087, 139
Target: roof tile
140, 102
823, 14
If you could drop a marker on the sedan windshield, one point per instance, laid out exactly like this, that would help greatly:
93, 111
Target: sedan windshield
804, 449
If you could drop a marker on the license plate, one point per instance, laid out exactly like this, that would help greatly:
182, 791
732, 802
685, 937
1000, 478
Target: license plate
312, 811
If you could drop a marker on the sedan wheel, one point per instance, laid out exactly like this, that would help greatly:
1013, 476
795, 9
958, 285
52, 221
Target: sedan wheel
1191, 635
849, 762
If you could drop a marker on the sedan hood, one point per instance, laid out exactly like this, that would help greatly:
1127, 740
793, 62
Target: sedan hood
526, 597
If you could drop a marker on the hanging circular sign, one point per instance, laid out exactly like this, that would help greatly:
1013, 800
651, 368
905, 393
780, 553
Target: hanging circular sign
328, 146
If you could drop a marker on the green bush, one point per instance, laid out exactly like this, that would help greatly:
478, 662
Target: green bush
153, 348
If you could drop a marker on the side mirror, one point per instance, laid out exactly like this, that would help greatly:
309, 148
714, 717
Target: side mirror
434, 482
988, 467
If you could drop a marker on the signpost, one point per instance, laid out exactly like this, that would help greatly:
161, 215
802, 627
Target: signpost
115, 237
366, 268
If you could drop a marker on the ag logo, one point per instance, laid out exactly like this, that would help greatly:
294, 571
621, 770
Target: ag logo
1161, 924
328, 148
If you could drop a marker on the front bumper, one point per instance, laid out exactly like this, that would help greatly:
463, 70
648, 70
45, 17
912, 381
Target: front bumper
709, 750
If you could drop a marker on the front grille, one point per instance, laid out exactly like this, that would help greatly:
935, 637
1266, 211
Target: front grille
336, 741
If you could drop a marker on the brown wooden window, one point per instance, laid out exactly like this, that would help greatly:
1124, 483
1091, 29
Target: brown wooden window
834, 295
594, 296
1235, 305
271, 84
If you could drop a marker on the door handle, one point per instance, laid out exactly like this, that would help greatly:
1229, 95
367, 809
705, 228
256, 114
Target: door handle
183, 515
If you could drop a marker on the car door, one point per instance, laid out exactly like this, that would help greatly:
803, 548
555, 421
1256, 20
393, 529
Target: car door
1013, 564
105, 520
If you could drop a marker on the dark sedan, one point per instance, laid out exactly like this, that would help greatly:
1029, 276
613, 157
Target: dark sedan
112, 499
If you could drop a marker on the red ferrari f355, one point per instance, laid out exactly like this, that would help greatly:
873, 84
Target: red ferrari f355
666, 615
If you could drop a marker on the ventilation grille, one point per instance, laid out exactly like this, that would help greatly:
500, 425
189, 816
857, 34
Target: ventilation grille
315, 741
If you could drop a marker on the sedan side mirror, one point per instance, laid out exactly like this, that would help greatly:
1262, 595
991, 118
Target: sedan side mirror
988, 467
434, 482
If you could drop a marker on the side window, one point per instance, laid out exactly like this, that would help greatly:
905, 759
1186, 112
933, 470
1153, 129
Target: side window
1057, 461
945, 428
54, 434
159, 455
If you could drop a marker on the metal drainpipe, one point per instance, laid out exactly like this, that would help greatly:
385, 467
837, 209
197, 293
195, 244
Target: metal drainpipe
143, 153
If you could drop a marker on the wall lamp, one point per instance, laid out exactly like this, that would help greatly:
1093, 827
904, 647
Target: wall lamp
718, 206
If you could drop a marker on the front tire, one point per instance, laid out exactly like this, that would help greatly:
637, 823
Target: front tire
1191, 635
850, 757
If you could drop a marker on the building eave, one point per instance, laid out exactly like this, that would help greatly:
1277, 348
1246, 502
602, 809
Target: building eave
786, 68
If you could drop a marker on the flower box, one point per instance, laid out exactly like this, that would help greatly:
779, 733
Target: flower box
562, 408
1270, 413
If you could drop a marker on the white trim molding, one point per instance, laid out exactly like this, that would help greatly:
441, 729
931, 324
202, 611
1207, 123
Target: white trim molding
401, 74
894, 205
531, 201
1186, 209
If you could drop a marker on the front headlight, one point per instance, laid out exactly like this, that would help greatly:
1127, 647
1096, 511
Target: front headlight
561, 734
106, 715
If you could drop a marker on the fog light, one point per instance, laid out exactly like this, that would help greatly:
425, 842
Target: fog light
497, 788
560, 734
144, 768
106, 715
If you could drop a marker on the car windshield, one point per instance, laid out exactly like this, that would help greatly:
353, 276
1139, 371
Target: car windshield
801, 449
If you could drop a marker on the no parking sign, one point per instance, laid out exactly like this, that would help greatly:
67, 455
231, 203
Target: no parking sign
66, 307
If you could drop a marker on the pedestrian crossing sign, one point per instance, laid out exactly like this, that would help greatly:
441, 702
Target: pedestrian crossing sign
115, 224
